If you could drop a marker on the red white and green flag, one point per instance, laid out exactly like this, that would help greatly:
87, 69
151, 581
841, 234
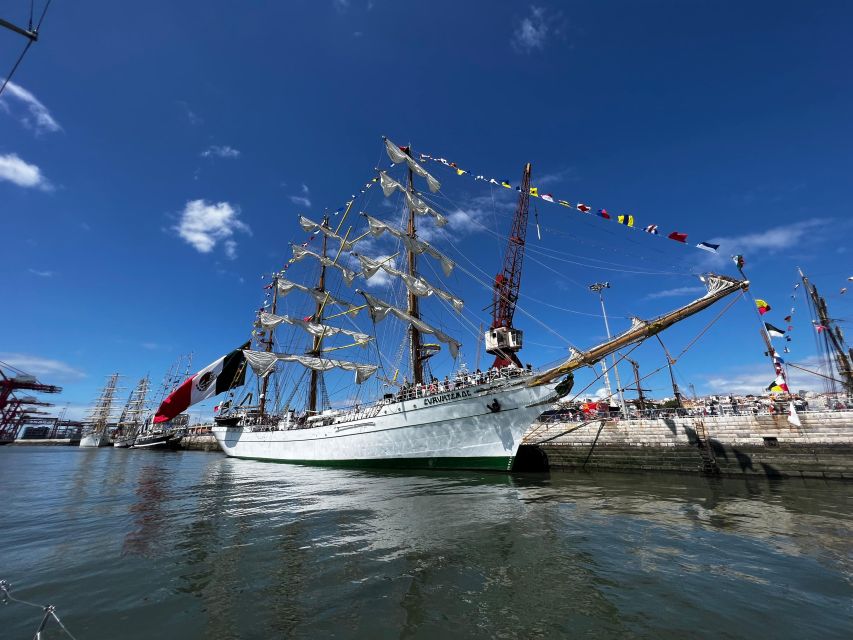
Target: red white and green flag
227, 372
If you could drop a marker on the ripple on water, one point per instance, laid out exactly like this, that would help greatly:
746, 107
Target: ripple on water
139, 544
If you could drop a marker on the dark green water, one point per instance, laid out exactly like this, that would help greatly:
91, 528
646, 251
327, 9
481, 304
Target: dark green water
145, 544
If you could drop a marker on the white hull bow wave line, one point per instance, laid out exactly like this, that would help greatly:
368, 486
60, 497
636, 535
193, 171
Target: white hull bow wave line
479, 427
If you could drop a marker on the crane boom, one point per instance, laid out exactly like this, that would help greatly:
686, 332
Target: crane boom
503, 340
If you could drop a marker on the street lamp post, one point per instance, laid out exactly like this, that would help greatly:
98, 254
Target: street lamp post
599, 287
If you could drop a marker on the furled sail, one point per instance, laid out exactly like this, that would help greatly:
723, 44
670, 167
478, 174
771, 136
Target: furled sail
270, 321
377, 227
380, 309
263, 363
398, 156
415, 284
301, 252
718, 287
389, 185
286, 286
310, 225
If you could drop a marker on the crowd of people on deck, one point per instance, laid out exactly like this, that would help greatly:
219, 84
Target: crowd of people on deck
460, 380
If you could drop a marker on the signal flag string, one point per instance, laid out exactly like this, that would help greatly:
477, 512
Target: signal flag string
622, 219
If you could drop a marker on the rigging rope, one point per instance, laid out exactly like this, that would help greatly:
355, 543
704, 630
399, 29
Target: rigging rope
30, 39
49, 610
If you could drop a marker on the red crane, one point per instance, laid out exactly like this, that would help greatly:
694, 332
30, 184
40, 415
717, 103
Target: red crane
503, 340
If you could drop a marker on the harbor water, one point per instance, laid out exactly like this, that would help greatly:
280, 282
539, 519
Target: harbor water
143, 544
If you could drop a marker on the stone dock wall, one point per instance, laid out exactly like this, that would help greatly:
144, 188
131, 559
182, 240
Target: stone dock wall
762, 445
200, 442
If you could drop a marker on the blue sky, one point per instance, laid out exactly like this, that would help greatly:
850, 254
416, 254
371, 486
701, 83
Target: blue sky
128, 123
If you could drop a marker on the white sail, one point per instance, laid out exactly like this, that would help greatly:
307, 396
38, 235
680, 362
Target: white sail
310, 225
286, 286
415, 284
379, 309
301, 252
263, 363
270, 321
389, 185
398, 157
377, 227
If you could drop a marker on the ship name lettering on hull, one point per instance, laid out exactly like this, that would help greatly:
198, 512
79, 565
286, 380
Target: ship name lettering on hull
446, 397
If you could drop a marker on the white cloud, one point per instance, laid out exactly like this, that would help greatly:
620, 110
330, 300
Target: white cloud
532, 32
52, 370
36, 116
192, 116
217, 151
203, 224
42, 274
21, 173
756, 378
303, 200
672, 293
381, 279
341, 5
775, 239
564, 175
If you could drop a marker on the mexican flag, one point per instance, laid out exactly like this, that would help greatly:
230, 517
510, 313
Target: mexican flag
224, 374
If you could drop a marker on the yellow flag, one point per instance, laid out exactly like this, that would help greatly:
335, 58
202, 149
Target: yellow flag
461, 172
506, 184
626, 220
534, 191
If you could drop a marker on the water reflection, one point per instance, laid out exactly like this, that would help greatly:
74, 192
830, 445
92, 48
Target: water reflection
202, 546
149, 515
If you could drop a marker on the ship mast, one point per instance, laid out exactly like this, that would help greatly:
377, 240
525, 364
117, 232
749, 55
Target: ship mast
318, 318
832, 335
413, 303
268, 345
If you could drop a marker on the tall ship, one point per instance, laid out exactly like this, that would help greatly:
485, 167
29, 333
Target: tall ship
165, 434
96, 426
132, 416
409, 401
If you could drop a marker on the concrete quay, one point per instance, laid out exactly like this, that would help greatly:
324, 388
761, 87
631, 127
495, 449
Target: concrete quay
200, 442
733, 445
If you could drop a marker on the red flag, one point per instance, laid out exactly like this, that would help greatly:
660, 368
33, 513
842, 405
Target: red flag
678, 237
603, 213
583, 207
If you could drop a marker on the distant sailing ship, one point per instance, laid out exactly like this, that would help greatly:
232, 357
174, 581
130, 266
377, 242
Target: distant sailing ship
97, 424
165, 434
468, 420
132, 416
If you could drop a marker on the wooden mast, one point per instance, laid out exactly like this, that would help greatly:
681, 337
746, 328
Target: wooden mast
414, 304
268, 345
641, 330
833, 332
318, 318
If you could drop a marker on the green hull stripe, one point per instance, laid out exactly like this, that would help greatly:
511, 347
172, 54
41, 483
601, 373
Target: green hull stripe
488, 463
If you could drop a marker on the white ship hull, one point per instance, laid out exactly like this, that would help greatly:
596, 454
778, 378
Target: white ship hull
95, 440
463, 429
